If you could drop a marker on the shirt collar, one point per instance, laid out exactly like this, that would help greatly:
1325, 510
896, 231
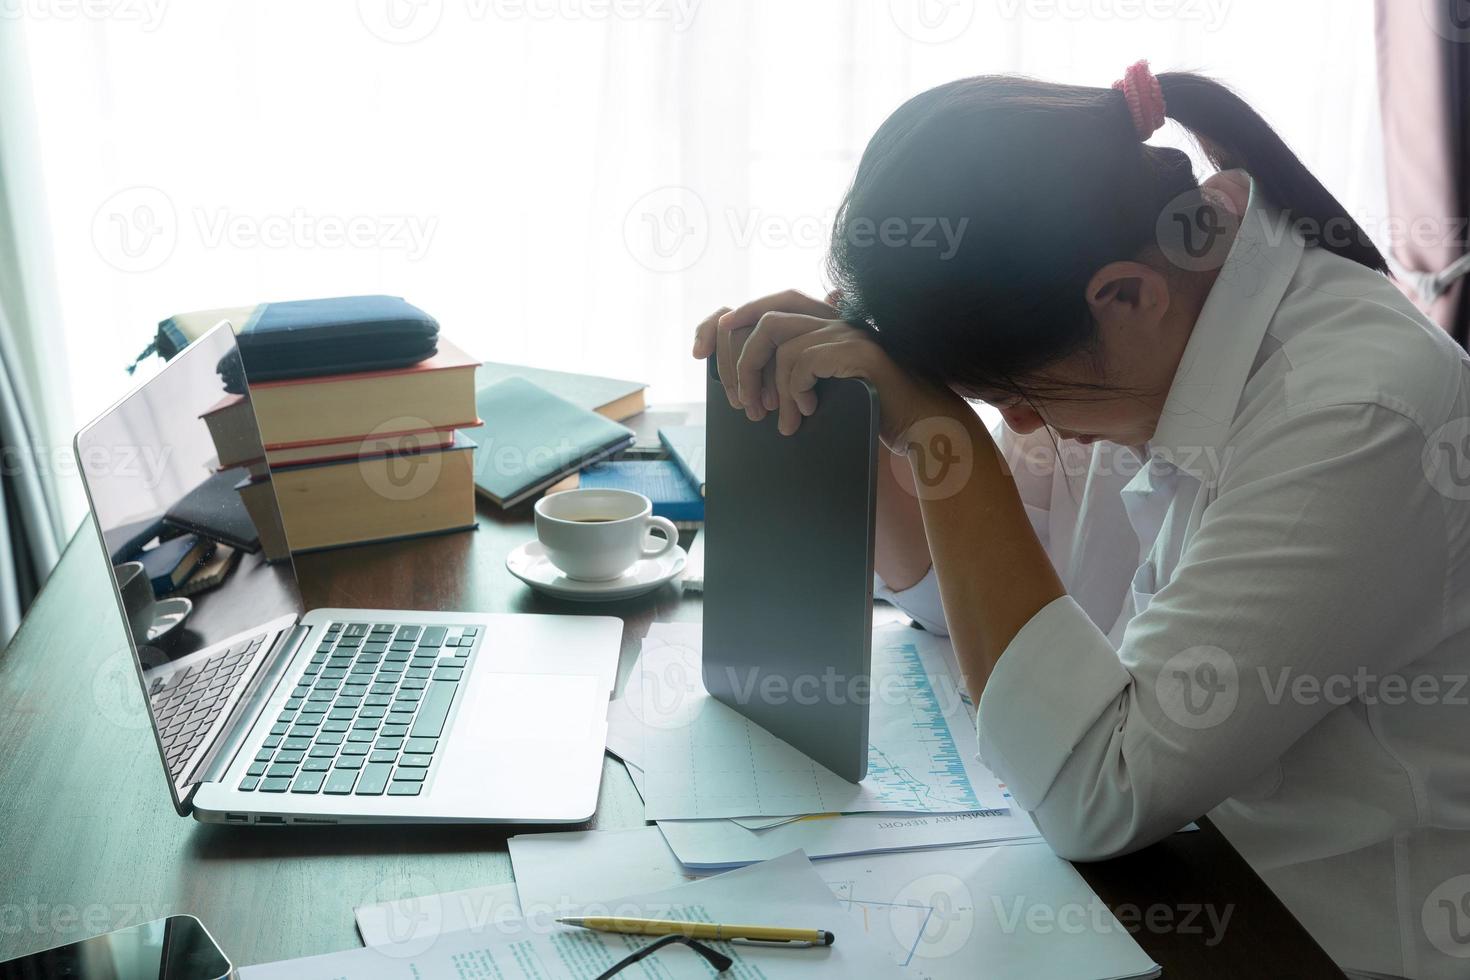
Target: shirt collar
1217, 361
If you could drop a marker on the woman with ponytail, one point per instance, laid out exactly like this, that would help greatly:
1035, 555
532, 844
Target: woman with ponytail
1216, 560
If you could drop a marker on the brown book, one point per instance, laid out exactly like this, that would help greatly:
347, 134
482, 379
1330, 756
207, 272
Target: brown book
210, 574
622, 408
260, 504
366, 445
232, 427
380, 498
438, 393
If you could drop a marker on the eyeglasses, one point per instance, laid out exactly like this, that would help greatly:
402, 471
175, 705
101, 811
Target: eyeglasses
715, 958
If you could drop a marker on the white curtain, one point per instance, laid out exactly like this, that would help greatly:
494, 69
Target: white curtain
566, 183
32, 414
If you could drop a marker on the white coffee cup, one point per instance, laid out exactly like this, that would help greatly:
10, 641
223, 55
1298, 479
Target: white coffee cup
137, 597
598, 534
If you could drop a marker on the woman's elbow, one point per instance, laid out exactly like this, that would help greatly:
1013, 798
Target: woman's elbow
1084, 843
1081, 827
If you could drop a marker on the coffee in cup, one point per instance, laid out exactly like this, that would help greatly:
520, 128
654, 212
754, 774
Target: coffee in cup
597, 534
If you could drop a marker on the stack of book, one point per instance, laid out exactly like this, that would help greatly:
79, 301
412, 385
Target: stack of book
354, 458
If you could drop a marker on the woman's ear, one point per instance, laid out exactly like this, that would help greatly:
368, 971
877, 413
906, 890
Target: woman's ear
1128, 295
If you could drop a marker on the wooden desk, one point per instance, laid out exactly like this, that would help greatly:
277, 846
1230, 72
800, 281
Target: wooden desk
89, 840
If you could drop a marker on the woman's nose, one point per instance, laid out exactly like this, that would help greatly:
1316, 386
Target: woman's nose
1022, 418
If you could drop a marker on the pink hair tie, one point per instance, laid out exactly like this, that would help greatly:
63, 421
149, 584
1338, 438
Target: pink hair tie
1145, 98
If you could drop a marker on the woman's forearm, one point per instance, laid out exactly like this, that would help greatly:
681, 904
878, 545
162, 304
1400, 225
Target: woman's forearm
994, 574
901, 552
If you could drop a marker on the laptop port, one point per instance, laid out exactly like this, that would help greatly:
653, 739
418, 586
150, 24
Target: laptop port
311, 820
236, 818
273, 820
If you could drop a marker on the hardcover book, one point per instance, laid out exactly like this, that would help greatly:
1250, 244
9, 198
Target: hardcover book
438, 393
378, 498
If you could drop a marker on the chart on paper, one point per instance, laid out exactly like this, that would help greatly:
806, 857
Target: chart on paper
701, 759
897, 927
944, 780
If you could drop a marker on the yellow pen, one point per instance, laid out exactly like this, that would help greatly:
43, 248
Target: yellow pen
701, 930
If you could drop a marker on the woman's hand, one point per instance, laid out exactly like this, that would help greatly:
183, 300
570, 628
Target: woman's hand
773, 351
835, 349
725, 333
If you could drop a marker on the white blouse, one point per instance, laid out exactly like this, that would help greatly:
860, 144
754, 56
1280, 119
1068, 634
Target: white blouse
1268, 616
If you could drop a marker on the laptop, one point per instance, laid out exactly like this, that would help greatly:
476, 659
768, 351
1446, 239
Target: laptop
266, 713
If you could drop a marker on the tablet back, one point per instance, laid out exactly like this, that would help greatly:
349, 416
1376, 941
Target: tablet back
788, 595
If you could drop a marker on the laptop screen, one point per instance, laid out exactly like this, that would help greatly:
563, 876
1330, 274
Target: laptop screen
182, 498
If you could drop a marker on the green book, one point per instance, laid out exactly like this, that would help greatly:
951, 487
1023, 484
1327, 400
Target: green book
531, 438
685, 444
610, 397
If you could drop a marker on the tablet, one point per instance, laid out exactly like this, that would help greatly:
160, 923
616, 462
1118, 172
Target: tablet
788, 594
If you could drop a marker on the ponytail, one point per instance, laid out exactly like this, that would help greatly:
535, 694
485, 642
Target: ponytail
1233, 135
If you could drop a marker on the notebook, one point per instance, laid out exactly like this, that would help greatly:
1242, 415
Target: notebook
660, 480
125, 541
531, 438
685, 444
215, 511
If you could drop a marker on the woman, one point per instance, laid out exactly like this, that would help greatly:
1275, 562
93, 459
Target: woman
1218, 560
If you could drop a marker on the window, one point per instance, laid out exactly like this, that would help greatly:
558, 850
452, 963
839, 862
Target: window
565, 183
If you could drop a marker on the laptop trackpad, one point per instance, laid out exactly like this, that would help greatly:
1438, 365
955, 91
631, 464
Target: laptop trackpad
526, 746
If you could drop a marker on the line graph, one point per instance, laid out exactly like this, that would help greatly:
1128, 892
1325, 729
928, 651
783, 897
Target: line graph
897, 927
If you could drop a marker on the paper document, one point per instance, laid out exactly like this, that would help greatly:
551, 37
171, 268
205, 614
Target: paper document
997, 912
426, 917
714, 844
558, 873
786, 890
693, 578
957, 912
702, 759
898, 900
749, 823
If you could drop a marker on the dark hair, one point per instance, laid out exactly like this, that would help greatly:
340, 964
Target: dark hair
1023, 189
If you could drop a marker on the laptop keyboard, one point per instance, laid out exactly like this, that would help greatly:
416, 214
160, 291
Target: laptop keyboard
186, 703
367, 716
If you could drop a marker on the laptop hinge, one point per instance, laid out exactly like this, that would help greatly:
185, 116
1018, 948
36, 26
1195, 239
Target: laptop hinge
248, 708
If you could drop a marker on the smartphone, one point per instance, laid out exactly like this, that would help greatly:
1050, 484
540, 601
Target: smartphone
175, 948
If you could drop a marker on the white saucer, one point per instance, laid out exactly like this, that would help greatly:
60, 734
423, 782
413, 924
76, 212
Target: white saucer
530, 564
168, 616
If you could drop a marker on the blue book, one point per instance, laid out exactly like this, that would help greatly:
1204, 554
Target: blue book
125, 541
685, 444
168, 564
532, 438
660, 480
